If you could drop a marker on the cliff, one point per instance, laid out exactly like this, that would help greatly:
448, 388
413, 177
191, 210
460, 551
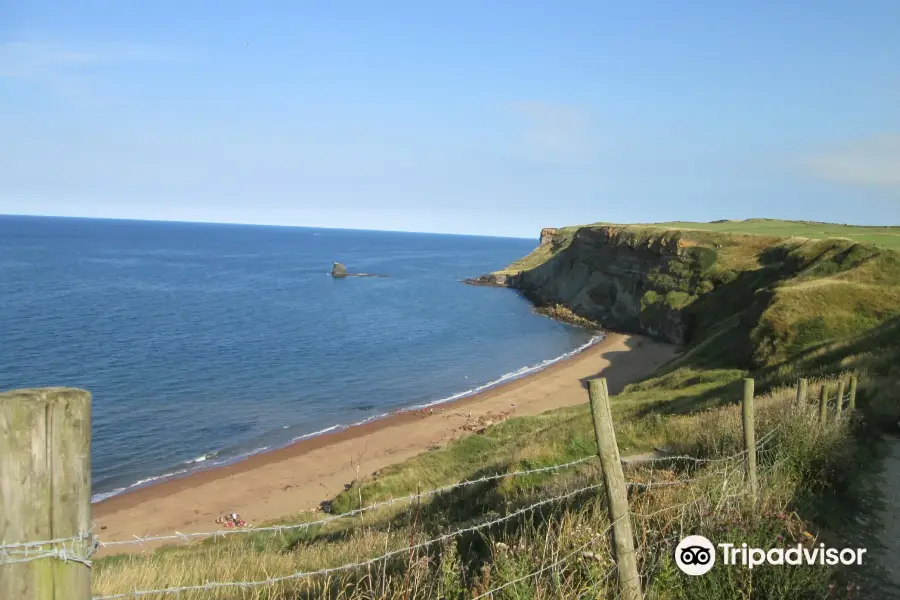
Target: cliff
731, 297
603, 274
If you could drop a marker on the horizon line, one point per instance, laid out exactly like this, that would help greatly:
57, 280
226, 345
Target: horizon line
239, 224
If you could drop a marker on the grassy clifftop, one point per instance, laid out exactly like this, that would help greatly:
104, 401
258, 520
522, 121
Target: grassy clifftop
745, 298
764, 230
888, 237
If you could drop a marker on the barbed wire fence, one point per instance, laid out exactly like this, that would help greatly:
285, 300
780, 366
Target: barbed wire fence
711, 482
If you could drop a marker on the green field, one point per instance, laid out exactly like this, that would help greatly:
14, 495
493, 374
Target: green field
888, 237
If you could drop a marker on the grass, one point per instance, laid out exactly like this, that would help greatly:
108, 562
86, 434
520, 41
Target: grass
887, 237
799, 456
542, 253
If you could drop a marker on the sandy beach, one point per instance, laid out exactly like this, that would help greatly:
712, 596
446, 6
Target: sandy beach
301, 476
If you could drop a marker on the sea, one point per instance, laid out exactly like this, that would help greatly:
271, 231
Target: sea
203, 344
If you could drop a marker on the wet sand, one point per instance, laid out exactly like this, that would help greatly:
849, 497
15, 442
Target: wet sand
301, 476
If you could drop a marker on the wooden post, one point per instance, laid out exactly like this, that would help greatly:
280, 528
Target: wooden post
616, 492
749, 434
823, 404
801, 391
839, 403
45, 492
852, 404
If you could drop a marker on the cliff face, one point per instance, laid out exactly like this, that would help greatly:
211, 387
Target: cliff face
733, 298
604, 274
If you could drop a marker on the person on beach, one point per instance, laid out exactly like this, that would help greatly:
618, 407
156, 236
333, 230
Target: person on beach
231, 520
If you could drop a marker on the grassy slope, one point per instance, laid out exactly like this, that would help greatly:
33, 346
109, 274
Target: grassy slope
778, 308
542, 253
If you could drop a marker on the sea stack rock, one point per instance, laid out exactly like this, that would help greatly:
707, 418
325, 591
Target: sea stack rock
338, 270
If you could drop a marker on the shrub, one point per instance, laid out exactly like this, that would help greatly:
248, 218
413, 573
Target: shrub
704, 258
705, 287
677, 300
726, 276
649, 299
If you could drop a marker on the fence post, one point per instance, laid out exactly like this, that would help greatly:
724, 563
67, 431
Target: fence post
852, 404
616, 492
749, 433
801, 391
839, 403
45, 492
823, 403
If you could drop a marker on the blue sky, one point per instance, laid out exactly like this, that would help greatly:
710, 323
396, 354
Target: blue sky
478, 117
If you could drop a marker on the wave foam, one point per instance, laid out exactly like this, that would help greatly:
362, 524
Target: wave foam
515, 374
306, 436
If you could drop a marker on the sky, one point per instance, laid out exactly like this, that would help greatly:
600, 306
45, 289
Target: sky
488, 118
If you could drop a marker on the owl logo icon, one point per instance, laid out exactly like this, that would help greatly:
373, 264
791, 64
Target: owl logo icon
695, 555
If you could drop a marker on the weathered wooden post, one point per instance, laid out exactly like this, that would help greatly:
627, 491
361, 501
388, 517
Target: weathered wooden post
45, 494
616, 492
749, 434
801, 391
839, 402
852, 404
823, 403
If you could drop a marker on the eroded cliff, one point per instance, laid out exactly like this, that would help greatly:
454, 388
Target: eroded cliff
748, 296
605, 274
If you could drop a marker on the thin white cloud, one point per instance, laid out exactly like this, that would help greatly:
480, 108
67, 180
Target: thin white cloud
553, 129
870, 162
69, 70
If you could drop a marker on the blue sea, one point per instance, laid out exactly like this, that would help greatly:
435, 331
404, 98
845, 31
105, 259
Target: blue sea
203, 344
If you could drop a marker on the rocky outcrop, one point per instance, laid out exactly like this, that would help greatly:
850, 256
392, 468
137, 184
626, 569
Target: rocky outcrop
612, 276
547, 235
491, 279
339, 270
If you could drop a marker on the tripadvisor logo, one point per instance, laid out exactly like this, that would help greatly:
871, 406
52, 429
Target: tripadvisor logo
696, 555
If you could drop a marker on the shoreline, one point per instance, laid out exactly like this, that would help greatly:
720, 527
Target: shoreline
304, 474
505, 379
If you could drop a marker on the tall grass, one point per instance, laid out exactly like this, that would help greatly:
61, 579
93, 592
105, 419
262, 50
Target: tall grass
561, 549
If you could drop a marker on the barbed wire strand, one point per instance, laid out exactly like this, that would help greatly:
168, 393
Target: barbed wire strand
769, 435
12, 554
75, 538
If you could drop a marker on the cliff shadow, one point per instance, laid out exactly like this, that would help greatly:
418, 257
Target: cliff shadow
644, 357
727, 392
720, 323
872, 350
633, 366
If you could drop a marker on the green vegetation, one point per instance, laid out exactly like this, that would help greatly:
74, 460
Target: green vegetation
562, 239
774, 308
798, 461
887, 237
